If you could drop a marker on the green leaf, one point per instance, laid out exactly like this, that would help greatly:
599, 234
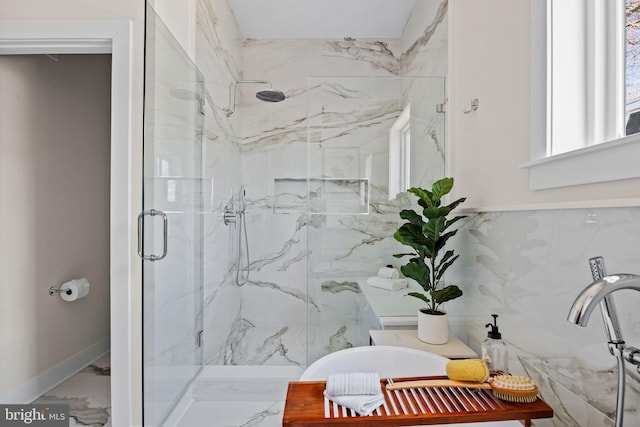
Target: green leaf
444, 259
420, 296
441, 187
402, 255
446, 294
433, 228
436, 211
418, 271
452, 221
411, 235
412, 217
425, 196
455, 204
443, 240
443, 266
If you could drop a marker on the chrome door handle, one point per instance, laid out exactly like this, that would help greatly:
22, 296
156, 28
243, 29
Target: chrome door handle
165, 221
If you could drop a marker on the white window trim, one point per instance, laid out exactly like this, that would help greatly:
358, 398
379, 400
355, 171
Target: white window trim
610, 161
399, 166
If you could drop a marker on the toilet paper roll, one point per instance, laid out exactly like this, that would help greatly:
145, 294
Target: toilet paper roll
74, 289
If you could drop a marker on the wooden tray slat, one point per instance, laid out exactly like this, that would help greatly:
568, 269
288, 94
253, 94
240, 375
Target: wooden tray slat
305, 407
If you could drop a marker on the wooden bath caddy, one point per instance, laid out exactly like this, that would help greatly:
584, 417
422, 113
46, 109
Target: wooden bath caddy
306, 406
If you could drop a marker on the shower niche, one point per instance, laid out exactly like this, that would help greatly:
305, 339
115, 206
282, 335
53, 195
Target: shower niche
325, 195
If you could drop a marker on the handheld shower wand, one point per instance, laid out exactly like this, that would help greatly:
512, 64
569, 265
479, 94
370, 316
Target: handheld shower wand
242, 229
237, 216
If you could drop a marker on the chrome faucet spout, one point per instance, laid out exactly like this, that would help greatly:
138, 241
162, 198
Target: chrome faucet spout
596, 291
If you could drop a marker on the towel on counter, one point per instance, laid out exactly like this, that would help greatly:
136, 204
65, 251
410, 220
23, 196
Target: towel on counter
388, 273
359, 391
388, 284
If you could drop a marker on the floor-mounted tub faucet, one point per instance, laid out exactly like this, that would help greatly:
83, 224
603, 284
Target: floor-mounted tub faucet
597, 293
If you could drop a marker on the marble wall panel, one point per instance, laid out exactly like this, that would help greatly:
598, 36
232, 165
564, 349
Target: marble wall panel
528, 267
350, 121
218, 55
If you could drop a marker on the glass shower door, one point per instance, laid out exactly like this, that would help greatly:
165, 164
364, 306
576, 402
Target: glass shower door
365, 134
171, 224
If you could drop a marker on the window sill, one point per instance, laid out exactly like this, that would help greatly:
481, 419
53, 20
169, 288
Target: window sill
609, 161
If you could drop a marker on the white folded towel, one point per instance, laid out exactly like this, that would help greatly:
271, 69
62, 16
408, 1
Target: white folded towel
364, 404
350, 383
359, 391
389, 273
388, 284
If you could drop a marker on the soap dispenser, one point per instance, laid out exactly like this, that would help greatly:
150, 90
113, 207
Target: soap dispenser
494, 350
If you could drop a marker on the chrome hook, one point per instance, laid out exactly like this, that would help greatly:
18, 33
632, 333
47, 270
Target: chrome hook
475, 103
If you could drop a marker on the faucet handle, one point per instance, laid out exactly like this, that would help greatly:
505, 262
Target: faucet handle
632, 355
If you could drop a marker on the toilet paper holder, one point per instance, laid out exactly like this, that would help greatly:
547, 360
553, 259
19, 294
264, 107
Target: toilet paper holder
53, 290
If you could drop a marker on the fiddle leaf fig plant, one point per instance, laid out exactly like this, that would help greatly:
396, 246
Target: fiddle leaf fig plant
427, 233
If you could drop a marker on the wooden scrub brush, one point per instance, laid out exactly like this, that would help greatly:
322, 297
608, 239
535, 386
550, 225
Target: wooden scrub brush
514, 388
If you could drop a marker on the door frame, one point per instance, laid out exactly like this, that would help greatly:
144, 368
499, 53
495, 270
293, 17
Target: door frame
113, 37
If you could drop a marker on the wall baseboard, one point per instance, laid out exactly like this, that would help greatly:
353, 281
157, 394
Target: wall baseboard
30, 390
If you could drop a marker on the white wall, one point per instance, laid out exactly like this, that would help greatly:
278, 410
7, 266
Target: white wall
490, 60
180, 18
54, 219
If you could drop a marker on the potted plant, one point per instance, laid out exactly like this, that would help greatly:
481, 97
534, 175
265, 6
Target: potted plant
427, 234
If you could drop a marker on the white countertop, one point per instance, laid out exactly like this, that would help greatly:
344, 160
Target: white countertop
454, 349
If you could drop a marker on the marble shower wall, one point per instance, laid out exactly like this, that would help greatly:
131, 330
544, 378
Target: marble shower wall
528, 267
219, 57
296, 268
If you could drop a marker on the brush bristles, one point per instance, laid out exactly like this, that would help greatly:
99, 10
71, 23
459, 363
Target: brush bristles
514, 398
514, 389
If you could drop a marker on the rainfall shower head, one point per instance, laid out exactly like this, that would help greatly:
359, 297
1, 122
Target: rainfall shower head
269, 95
185, 94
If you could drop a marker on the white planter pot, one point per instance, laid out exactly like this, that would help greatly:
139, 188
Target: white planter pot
433, 328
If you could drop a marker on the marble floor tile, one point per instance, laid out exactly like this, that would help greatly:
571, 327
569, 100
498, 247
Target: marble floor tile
88, 394
234, 414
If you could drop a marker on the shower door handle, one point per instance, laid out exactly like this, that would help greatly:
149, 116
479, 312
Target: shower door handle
165, 222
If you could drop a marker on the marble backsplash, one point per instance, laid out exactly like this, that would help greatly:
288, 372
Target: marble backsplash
528, 267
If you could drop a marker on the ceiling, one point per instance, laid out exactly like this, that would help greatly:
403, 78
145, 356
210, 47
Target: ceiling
266, 19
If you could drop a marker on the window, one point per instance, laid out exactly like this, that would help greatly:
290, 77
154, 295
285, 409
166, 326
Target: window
579, 113
632, 66
400, 154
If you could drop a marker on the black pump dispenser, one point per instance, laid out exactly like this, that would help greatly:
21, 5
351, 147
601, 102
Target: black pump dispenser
494, 332
494, 350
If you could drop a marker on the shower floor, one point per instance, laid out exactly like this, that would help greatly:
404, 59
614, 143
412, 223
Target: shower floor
88, 394
231, 395
239, 396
